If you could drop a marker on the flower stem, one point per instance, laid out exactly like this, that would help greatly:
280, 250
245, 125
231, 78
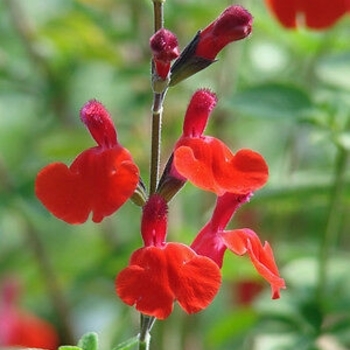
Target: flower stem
332, 230
147, 323
158, 14
156, 140
156, 109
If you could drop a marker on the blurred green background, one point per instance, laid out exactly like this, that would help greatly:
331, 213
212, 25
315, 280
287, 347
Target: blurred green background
282, 93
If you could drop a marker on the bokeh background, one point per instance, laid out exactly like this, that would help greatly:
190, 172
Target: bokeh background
284, 93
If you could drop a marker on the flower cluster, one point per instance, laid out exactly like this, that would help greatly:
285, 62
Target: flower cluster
103, 177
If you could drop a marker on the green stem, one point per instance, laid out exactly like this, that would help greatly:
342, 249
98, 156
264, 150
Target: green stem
331, 233
147, 323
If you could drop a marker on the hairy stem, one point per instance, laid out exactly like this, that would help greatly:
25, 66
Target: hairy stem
156, 141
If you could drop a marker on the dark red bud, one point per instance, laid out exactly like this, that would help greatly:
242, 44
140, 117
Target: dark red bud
235, 23
164, 45
165, 49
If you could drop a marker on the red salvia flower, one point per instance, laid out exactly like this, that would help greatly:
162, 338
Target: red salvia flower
207, 162
314, 14
213, 241
165, 49
20, 328
161, 273
99, 180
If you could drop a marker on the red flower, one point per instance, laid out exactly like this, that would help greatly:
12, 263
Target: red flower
207, 162
156, 277
161, 273
99, 180
213, 240
235, 23
165, 49
315, 14
21, 328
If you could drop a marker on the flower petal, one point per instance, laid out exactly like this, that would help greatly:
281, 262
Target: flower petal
193, 160
317, 14
246, 241
144, 283
321, 14
98, 181
285, 11
209, 164
194, 279
62, 193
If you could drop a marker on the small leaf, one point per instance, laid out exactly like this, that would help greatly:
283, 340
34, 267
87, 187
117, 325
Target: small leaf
127, 343
88, 341
69, 347
271, 100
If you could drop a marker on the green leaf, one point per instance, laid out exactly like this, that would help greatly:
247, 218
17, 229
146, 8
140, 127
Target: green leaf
69, 347
271, 100
89, 341
127, 344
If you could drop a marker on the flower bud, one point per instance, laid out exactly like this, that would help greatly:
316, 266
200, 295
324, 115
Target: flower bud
235, 23
164, 46
95, 116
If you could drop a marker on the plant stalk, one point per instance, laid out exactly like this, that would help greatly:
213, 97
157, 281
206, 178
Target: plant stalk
157, 110
158, 14
146, 322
